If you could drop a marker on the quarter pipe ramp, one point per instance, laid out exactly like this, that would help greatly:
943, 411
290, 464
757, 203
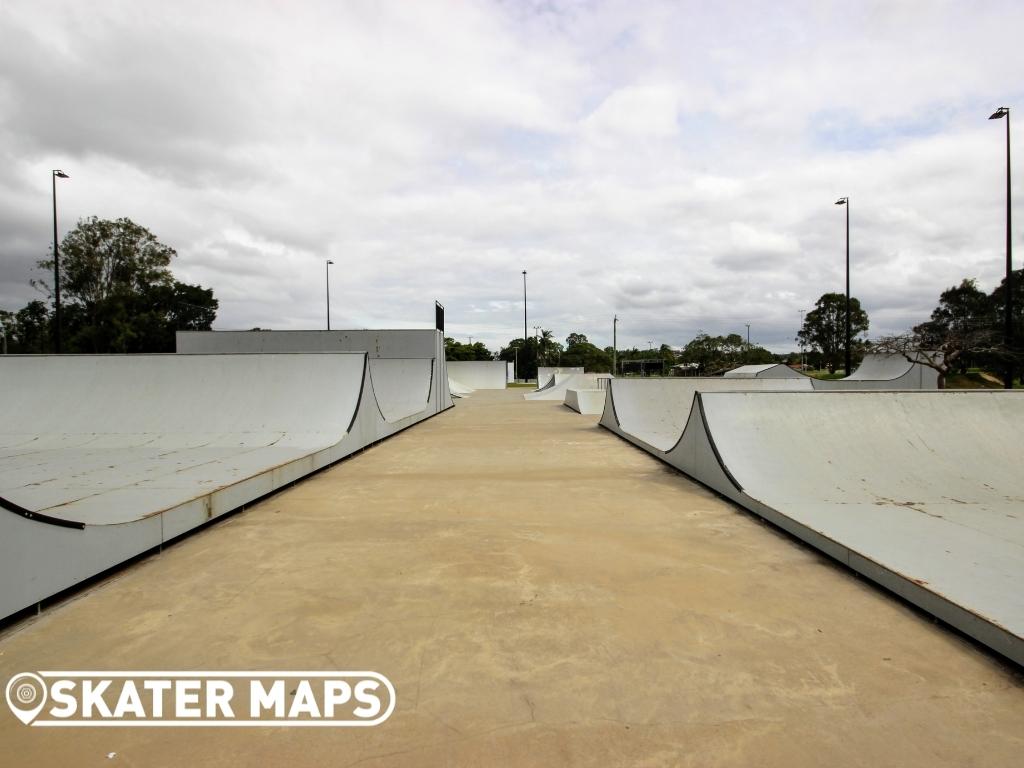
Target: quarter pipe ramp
105, 457
919, 491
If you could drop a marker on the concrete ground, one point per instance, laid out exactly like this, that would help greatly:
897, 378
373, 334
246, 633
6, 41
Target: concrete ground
541, 593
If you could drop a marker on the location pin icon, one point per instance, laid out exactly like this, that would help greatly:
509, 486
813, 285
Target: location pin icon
26, 695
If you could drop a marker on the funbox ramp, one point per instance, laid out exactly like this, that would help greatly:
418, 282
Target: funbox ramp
585, 401
458, 389
767, 371
876, 371
559, 383
918, 491
478, 374
546, 374
105, 457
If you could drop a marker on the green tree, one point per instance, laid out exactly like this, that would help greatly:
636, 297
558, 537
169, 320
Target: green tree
824, 328
455, 350
585, 354
119, 294
575, 338
28, 331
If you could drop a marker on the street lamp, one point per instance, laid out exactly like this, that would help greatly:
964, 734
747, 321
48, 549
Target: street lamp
748, 336
801, 338
327, 272
615, 345
1008, 308
524, 306
846, 201
57, 174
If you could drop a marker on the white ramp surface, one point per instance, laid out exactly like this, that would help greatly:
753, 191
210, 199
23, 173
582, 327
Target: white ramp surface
479, 374
105, 457
546, 374
402, 387
767, 371
919, 491
655, 411
559, 383
585, 401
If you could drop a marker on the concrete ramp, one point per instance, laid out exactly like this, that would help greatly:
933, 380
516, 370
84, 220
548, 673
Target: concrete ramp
546, 374
479, 374
585, 401
876, 371
105, 457
401, 387
458, 389
653, 412
919, 491
768, 371
885, 371
558, 384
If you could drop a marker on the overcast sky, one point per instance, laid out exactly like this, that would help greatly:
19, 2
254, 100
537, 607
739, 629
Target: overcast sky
675, 163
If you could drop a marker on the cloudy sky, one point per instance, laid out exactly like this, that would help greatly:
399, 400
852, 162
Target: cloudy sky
675, 163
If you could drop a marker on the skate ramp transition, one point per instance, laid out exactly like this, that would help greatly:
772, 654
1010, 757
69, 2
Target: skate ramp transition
559, 383
106, 457
458, 389
585, 401
403, 344
546, 374
876, 371
768, 371
918, 491
479, 374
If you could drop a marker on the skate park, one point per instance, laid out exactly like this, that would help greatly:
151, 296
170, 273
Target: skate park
444, 542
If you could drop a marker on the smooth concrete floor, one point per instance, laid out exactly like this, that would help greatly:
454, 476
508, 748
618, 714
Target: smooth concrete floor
541, 593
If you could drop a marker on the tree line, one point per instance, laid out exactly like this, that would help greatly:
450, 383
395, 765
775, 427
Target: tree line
118, 294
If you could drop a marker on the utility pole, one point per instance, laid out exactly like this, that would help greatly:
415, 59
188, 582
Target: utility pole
327, 275
1008, 306
524, 306
615, 346
56, 174
846, 201
748, 336
801, 338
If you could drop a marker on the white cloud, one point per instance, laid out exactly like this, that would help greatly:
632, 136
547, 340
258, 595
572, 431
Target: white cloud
674, 163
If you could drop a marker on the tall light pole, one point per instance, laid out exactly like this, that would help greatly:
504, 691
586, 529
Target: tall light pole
748, 336
524, 306
801, 338
1008, 307
846, 201
57, 174
327, 271
615, 345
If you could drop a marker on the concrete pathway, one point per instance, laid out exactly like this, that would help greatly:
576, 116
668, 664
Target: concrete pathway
541, 593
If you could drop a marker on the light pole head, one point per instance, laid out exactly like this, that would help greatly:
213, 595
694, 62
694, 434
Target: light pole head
329, 262
1001, 112
60, 174
842, 201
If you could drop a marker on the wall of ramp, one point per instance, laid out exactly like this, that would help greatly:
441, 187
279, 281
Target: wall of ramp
921, 493
546, 373
585, 401
768, 371
478, 374
653, 413
876, 371
559, 383
105, 457
404, 343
